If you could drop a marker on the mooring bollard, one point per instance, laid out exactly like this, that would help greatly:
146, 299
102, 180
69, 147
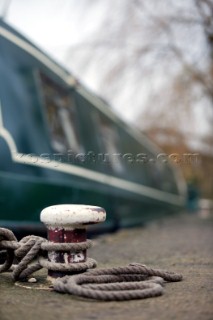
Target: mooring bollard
67, 224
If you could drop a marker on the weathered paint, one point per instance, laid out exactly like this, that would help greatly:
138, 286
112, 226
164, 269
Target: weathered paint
66, 236
67, 224
68, 216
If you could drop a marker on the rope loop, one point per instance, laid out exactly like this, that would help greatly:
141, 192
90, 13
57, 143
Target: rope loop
71, 247
135, 281
27, 255
31, 255
7, 235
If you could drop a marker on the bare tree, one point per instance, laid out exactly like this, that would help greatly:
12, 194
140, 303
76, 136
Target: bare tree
151, 57
153, 60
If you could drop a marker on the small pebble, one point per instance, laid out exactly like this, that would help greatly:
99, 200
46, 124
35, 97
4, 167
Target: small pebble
32, 280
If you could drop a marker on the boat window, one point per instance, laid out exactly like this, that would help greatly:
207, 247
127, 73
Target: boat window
109, 143
61, 116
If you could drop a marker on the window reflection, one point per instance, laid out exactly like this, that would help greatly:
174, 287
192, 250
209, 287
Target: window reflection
109, 140
61, 116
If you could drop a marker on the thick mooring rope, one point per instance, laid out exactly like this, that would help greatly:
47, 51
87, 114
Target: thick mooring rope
31, 255
135, 281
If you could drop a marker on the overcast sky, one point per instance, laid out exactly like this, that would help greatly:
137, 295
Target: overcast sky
53, 25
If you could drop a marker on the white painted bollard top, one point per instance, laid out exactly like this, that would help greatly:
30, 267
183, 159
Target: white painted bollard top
72, 215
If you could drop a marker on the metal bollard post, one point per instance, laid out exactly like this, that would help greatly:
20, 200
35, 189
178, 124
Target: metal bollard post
67, 224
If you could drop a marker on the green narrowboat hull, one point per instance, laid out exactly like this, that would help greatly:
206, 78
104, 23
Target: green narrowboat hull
57, 140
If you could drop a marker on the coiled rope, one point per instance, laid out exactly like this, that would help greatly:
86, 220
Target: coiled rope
135, 281
31, 255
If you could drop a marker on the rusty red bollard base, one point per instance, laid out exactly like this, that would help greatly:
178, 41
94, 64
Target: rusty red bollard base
67, 224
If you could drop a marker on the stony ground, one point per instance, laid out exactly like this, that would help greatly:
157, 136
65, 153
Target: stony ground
182, 243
